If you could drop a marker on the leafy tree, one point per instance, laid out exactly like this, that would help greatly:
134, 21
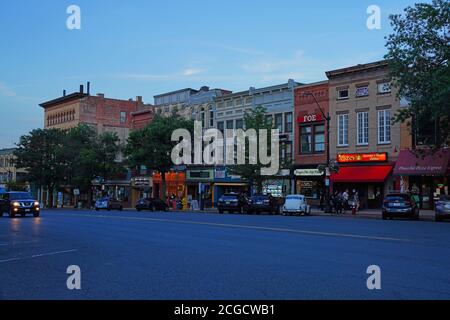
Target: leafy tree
419, 53
254, 119
40, 153
152, 146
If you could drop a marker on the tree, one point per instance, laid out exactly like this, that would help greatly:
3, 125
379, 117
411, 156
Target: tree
152, 146
254, 119
40, 153
419, 53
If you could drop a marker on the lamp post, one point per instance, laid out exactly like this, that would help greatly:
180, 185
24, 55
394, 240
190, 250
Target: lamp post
327, 169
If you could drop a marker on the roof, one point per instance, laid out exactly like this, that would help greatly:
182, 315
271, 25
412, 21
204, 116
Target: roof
7, 151
67, 98
357, 68
172, 92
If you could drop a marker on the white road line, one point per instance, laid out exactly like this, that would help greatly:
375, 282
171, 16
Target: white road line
38, 255
251, 227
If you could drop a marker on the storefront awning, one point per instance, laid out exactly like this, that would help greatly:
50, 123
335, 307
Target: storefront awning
362, 174
410, 164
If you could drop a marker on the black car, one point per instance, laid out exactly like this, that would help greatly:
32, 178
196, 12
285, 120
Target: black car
14, 203
262, 203
232, 202
152, 204
401, 205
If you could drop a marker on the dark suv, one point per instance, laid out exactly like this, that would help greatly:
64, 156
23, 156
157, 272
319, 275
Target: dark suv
22, 203
400, 205
262, 203
232, 202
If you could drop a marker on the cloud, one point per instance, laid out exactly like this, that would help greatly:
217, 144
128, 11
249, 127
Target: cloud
192, 71
240, 50
6, 91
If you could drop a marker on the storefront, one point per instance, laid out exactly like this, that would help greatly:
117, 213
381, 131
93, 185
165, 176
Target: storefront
141, 187
309, 181
226, 182
370, 174
199, 185
424, 172
175, 184
117, 189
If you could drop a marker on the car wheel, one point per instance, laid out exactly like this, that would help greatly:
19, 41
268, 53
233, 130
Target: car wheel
36, 215
12, 214
120, 208
437, 218
220, 211
384, 216
1, 214
138, 210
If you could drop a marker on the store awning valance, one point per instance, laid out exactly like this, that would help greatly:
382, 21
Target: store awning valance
362, 174
433, 163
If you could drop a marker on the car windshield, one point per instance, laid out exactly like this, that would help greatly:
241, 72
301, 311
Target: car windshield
229, 197
20, 196
294, 198
397, 197
260, 197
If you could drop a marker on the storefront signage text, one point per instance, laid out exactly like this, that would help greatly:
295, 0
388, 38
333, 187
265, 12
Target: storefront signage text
310, 118
308, 173
362, 157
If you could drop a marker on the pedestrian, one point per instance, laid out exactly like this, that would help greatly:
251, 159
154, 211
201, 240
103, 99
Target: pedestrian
345, 197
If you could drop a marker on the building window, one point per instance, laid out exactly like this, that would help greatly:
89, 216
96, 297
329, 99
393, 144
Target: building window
220, 105
384, 126
279, 122
342, 129
362, 91
384, 87
220, 126
343, 94
362, 128
248, 100
202, 118
312, 139
238, 102
230, 124
211, 118
123, 117
239, 124
288, 126
229, 104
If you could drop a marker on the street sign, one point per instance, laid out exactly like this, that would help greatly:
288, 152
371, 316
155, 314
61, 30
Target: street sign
76, 192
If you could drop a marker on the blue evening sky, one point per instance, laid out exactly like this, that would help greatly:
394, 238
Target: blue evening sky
130, 48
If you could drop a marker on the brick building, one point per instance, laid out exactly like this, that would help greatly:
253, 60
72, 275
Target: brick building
310, 137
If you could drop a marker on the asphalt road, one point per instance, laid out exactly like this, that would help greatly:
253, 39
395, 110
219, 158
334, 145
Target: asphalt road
130, 255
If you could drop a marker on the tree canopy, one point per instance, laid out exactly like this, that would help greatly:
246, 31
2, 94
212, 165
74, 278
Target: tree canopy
419, 54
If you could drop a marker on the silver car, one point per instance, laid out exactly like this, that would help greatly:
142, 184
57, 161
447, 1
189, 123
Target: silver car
296, 205
442, 209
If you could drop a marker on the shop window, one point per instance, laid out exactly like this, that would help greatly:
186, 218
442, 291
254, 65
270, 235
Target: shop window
239, 124
220, 126
279, 122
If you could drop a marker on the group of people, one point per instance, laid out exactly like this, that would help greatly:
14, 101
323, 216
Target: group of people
342, 201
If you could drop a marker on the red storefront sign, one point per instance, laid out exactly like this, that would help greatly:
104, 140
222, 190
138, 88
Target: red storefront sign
310, 118
362, 157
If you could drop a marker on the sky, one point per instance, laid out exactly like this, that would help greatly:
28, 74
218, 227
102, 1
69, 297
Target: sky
143, 48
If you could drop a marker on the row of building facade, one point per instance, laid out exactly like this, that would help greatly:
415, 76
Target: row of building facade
371, 151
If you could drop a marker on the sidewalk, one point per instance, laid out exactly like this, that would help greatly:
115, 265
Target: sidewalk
371, 214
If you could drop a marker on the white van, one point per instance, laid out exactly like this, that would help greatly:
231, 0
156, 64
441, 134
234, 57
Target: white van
296, 205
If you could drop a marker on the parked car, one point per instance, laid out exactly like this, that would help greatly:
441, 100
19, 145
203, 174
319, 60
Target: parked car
296, 205
108, 203
262, 203
232, 202
401, 205
22, 203
152, 204
442, 208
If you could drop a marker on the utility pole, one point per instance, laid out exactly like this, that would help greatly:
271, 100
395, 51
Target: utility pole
327, 169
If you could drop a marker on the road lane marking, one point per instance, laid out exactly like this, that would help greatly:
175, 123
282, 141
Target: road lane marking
252, 227
38, 255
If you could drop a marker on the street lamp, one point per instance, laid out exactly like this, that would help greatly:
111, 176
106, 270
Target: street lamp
327, 169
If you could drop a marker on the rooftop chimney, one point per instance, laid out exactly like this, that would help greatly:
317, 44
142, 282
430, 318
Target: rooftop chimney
100, 95
139, 99
81, 88
89, 88
64, 93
